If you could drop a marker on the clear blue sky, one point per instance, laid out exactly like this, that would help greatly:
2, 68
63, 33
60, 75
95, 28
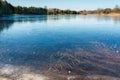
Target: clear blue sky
68, 4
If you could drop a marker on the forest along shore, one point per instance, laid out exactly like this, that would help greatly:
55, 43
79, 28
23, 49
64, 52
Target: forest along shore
8, 9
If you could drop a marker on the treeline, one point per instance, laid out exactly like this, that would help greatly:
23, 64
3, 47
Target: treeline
59, 12
84, 12
30, 10
8, 9
101, 11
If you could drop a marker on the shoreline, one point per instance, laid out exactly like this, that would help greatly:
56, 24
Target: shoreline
110, 14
